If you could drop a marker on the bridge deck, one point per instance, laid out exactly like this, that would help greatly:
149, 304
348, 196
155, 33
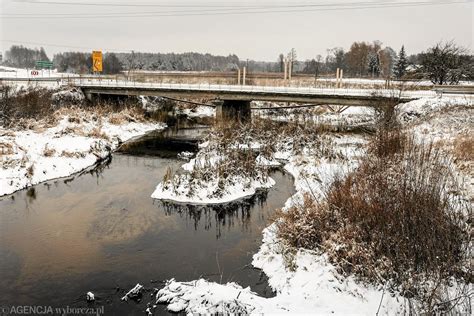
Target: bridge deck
310, 95
249, 93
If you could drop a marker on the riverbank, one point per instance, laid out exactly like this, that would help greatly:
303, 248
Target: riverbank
67, 142
306, 279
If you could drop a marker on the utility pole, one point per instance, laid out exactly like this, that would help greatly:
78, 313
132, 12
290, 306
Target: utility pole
238, 76
245, 75
285, 62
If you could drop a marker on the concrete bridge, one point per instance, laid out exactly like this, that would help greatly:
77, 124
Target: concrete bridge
235, 99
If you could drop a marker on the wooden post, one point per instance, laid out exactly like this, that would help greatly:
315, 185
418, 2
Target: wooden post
238, 76
337, 77
285, 62
244, 76
341, 72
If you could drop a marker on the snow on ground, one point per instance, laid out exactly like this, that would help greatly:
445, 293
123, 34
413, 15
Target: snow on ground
185, 188
29, 157
307, 283
449, 125
417, 109
12, 72
211, 192
351, 116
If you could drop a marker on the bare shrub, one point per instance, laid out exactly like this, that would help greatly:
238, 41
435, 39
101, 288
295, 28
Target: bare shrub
464, 147
30, 103
392, 221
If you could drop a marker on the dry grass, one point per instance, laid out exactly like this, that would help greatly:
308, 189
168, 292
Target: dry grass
6, 149
96, 132
393, 221
24, 106
238, 145
32, 108
30, 171
48, 152
69, 154
464, 148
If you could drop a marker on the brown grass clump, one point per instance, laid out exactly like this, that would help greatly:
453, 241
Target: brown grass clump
30, 171
392, 221
69, 154
6, 149
96, 132
48, 152
464, 148
27, 104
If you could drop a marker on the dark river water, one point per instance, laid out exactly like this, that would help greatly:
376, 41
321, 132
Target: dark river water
101, 231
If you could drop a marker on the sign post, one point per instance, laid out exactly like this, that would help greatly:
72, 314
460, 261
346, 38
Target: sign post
96, 61
43, 64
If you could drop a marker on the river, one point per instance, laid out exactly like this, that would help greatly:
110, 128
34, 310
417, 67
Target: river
100, 231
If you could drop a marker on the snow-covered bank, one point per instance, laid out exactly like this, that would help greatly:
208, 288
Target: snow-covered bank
448, 124
304, 281
78, 140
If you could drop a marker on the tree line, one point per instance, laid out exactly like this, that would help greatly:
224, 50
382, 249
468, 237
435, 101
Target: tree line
443, 63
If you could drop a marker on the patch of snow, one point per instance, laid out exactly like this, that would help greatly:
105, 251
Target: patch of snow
210, 192
67, 97
90, 297
407, 112
185, 155
133, 293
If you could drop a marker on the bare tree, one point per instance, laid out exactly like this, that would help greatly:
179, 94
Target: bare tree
281, 61
443, 63
292, 59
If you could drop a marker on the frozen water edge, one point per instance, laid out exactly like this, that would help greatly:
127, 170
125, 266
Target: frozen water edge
56, 152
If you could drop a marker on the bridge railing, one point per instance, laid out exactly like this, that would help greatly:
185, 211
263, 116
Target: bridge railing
100, 82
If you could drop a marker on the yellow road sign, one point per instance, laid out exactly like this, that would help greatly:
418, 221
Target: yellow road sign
97, 61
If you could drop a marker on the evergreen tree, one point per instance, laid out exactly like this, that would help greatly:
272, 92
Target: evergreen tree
401, 65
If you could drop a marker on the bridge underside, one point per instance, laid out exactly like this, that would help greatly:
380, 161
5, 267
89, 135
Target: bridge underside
236, 105
244, 96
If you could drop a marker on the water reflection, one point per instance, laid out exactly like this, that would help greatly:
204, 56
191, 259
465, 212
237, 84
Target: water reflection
222, 215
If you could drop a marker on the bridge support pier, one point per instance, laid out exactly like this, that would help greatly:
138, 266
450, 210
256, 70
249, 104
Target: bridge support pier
233, 110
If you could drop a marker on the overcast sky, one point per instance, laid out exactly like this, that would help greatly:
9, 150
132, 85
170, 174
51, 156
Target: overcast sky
251, 29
